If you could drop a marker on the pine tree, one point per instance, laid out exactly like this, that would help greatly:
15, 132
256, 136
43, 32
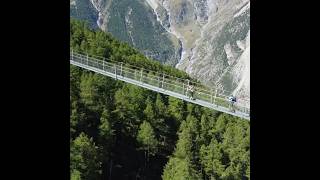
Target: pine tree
75, 74
105, 127
77, 118
130, 103
177, 169
160, 107
75, 175
149, 111
211, 159
146, 137
176, 109
89, 90
183, 163
85, 158
162, 126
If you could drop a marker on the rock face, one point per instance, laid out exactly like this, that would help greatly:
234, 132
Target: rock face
209, 39
84, 10
135, 22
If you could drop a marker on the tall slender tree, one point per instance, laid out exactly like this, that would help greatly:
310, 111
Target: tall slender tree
85, 158
146, 137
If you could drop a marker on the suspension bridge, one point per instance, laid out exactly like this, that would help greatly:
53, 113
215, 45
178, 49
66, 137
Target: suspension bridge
213, 98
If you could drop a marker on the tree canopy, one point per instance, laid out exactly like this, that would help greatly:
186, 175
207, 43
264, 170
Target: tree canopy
122, 131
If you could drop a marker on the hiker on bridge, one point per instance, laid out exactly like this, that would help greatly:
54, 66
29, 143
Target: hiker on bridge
232, 100
190, 91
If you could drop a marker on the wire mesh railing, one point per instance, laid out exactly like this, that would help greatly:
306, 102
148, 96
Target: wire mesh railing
214, 96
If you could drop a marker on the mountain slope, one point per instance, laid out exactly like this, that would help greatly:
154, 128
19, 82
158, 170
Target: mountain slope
122, 131
135, 23
208, 39
84, 10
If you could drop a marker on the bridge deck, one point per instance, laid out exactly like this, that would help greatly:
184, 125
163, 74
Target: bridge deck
162, 85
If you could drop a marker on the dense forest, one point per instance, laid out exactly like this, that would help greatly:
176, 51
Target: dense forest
121, 131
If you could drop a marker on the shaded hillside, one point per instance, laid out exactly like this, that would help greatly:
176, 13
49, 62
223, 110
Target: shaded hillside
121, 131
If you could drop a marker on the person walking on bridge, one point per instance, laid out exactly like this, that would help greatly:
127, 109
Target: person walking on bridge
191, 91
232, 100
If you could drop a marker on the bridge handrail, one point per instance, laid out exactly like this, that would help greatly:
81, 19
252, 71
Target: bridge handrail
136, 67
150, 77
207, 91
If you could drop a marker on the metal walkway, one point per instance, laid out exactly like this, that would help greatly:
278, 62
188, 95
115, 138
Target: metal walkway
172, 86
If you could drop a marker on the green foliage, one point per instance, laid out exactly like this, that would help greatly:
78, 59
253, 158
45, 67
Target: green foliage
75, 74
160, 107
220, 146
84, 157
121, 131
129, 106
187, 137
75, 175
149, 112
211, 159
146, 137
182, 165
105, 127
227, 156
99, 43
91, 88
176, 109
178, 169
79, 118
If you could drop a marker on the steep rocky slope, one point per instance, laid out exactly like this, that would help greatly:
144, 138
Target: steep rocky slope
215, 36
209, 39
135, 23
